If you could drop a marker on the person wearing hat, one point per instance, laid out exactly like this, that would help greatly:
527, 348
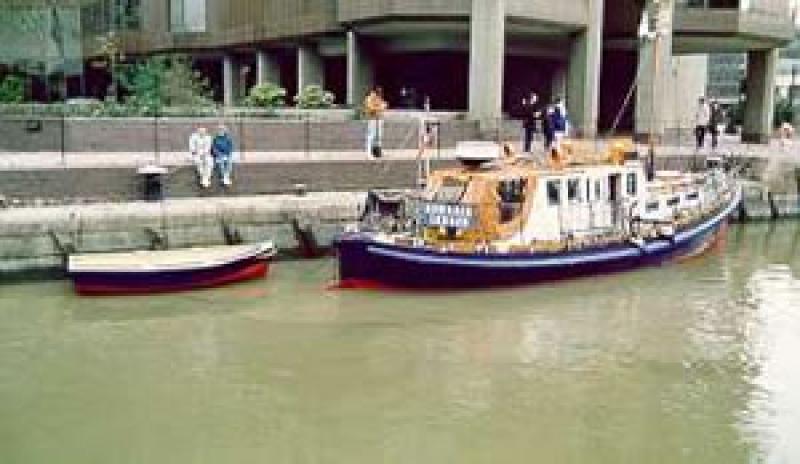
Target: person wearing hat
222, 150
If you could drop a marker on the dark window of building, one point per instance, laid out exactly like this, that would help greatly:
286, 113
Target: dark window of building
651, 207
693, 196
674, 201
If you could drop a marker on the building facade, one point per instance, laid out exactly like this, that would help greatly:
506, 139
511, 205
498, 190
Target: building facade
478, 56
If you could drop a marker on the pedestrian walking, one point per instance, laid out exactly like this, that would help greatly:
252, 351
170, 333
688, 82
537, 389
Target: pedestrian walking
374, 107
560, 127
548, 128
716, 115
561, 106
531, 118
222, 151
200, 148
702, 119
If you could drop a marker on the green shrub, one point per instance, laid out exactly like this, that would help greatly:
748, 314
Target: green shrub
266, 95
784, 112
12, 89
314, 97
162, 81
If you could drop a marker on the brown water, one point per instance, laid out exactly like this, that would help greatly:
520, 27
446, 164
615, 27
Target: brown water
697, 362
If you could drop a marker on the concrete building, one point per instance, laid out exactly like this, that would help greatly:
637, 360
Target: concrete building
479, 56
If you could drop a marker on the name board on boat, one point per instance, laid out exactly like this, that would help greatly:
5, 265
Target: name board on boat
457, 216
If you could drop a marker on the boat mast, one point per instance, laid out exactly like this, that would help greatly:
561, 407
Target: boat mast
657, 28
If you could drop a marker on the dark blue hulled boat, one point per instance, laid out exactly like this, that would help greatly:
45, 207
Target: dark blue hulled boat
514, 222
145, 272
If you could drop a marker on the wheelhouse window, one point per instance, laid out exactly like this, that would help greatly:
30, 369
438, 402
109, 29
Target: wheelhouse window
553, 192
512, 196
187, 15
632, 184
693, 196
512, 190
574, 190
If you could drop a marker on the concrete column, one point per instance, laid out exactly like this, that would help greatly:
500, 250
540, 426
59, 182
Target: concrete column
360, 73
267, 68
486, 60
310, 68
558, 88
583, 74
655, 58
229, 80
760, 103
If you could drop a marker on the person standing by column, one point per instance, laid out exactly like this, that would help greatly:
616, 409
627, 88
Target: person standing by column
200, 148
531, 115
559, 122
374, 107
561, 108
222, 150
547, 128
702, 119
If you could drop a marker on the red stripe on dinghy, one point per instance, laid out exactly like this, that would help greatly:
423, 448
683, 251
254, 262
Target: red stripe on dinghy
254, 271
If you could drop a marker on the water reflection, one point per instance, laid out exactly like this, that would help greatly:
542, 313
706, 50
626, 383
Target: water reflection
686, 363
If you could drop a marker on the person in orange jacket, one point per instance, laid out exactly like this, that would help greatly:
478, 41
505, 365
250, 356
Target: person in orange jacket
374, 107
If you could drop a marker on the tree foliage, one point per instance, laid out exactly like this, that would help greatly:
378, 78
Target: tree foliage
784, 112
12, 89
165, 81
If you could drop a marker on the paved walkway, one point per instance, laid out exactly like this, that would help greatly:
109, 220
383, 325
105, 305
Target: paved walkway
54, 160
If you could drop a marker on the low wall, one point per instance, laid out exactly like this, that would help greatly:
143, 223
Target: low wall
105, 135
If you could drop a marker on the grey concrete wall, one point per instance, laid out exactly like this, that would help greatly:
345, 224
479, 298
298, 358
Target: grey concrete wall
172, 134
30, 237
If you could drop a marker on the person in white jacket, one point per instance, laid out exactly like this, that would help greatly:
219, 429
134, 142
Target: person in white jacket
702, 121
200, 149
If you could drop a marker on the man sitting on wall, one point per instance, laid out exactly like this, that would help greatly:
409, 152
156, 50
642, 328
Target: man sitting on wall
222, 150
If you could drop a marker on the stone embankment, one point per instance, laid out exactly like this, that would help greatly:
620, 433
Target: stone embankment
37, 240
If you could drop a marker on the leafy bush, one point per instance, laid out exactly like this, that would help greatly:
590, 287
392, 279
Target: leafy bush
784, 112
12, 89
162, 81
266, 95
314, 97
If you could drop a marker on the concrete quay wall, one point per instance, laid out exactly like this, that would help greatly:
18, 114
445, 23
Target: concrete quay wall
34, 240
